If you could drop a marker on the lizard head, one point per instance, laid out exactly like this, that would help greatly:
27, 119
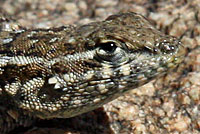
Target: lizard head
121, 53
102, 60
127, 51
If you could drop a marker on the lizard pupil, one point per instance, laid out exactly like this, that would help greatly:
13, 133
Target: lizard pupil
108, 47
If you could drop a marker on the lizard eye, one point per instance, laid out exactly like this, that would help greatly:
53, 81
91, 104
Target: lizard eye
110, 52
108, 47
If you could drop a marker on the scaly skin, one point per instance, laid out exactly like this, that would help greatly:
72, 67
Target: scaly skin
63, 72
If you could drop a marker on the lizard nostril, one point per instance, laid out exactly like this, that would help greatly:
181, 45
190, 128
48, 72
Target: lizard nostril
167, 47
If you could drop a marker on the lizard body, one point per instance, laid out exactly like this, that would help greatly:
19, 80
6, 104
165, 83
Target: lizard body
66, 71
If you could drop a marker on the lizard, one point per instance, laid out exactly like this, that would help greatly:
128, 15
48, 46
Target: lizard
66, 71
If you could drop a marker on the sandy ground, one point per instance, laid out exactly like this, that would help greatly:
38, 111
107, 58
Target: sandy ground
169, 105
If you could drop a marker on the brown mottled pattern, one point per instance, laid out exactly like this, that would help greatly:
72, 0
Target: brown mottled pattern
63, 72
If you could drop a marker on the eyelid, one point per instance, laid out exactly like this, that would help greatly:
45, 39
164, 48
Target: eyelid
110, 40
